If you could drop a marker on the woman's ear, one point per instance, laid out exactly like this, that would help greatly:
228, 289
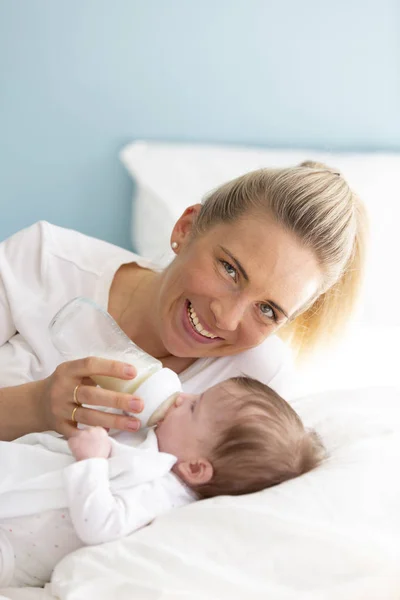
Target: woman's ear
184, 226
195, 472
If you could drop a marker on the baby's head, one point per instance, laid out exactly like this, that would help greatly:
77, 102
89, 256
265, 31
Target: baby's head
236, 438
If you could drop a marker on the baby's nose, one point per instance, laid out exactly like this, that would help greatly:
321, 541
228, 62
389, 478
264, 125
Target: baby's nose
178, 400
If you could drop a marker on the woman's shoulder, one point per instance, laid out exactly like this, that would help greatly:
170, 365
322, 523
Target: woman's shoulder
52, 264
46, 241
273, 349
87, 251
266, 362
270, 362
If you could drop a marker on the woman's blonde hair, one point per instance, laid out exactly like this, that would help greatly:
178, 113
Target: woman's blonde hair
317, 205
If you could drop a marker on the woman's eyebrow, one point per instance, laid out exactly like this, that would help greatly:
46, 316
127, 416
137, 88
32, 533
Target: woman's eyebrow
275, 305
237, 263
246, 277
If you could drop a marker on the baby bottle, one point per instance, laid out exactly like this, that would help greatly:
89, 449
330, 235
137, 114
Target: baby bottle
82, 328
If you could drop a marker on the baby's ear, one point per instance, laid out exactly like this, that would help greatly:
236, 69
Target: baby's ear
195, 472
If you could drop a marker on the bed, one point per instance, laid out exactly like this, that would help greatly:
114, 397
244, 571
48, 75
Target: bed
332, 533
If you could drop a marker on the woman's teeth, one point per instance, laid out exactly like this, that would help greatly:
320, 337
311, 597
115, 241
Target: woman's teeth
197, 325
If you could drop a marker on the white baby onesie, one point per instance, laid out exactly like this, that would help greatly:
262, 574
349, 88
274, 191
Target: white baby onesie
51, 505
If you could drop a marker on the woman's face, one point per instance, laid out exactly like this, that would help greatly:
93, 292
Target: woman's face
231, 287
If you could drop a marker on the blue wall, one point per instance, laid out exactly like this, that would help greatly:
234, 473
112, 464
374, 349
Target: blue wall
79, 78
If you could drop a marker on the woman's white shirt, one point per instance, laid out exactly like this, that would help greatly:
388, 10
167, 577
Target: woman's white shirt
44, 266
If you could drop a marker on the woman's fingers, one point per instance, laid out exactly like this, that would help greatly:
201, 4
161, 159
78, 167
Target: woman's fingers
97, 396
67, 429
89, 416
93, 365
71, 385
88, 381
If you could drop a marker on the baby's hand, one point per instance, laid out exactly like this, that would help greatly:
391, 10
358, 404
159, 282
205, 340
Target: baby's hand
90, 443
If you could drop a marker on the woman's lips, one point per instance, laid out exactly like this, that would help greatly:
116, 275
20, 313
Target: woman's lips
195, 335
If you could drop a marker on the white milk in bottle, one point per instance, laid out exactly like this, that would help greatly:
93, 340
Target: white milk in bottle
82, 328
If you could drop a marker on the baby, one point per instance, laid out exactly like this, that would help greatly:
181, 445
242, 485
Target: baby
237, 437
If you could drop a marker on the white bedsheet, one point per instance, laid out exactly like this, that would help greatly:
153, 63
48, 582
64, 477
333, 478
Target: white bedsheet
330, 534
27, 594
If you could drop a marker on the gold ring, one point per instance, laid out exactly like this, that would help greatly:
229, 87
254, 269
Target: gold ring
76, 395
73, 414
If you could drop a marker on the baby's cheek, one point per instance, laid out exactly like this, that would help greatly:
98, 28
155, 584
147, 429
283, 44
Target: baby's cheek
171, 429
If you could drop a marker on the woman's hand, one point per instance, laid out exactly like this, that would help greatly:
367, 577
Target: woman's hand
60, 410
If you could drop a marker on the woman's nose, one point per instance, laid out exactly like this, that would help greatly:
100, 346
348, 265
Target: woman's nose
227, 313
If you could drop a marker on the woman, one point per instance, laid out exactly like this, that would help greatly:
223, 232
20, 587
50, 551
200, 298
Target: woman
276, 249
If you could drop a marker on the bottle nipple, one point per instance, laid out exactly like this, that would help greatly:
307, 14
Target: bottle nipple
158, 393
162, 410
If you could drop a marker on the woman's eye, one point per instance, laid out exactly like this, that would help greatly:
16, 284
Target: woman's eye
229, 269
268, 312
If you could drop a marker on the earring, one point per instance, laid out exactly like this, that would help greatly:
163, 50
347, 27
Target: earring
174, 245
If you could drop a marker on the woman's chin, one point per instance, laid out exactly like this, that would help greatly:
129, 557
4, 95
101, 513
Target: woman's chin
182, 349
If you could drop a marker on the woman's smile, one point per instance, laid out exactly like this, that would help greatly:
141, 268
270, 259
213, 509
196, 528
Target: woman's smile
195, 327
197, 324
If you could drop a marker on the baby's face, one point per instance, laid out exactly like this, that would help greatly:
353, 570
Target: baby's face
189, 427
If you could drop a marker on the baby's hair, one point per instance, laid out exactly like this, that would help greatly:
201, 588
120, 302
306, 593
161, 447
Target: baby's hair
265, 444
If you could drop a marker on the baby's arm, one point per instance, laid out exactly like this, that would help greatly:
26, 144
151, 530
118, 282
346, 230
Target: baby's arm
90, 443
97, 514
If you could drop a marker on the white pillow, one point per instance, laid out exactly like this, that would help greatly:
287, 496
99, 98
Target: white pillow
330, 534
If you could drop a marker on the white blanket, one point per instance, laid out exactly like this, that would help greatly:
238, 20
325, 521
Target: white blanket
105, 500
333, 533
35, 468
